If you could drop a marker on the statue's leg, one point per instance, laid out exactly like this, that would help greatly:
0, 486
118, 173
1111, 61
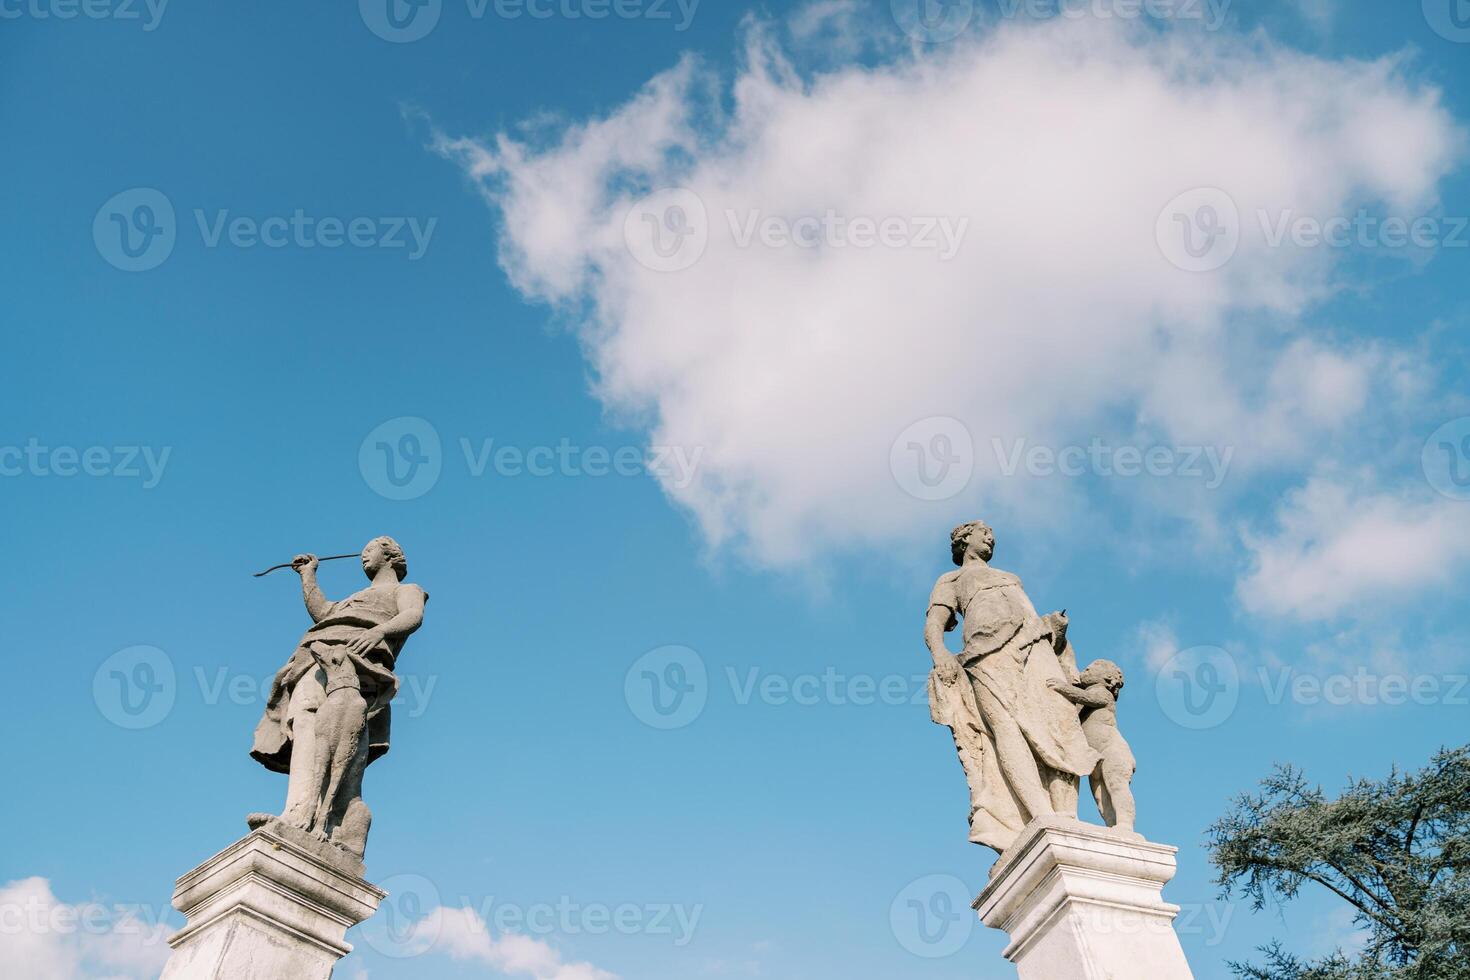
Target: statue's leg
348, 712
352, 819
301, 716
1064, 790
1013, 755
1119, 795
1098, 784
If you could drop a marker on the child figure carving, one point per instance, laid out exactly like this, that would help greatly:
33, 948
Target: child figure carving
1097, 694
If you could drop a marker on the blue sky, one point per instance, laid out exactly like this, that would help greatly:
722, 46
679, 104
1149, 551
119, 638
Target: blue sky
1298, 553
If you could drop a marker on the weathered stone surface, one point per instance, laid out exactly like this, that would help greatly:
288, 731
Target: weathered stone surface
327, 716
1085, 903
1026, 724
275, 904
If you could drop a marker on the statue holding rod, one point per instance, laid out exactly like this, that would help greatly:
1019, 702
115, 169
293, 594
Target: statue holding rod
327, 716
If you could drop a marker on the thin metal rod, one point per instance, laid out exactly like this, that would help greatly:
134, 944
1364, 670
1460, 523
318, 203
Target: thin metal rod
277, 568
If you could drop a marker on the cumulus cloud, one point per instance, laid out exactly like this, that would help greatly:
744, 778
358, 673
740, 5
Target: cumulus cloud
43, 938
1063, 317
1340, 547
463, 935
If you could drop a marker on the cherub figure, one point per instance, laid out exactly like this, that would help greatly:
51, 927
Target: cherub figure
1097, 694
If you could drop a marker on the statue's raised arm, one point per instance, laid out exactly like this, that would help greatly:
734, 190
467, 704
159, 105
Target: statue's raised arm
327, 716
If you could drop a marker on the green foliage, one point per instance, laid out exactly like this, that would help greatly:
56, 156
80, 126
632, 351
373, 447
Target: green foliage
1396, 850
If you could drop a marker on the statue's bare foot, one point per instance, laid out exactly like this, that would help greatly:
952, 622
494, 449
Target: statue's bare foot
257, 820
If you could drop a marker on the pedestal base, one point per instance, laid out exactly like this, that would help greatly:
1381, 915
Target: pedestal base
274, 904
1085, 903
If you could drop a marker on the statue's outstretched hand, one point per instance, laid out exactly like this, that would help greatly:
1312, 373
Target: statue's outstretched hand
304, 563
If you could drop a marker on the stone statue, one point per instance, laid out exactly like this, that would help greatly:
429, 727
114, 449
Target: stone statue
1097, 694
327, 715
1020, 740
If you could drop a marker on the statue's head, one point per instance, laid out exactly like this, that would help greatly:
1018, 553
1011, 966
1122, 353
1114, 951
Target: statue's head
976, 536
1106, 673
381, 552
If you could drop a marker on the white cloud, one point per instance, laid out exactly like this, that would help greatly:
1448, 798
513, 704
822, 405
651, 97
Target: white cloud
463, 935
1157, 642
1060, 319
1342, 548
43, 938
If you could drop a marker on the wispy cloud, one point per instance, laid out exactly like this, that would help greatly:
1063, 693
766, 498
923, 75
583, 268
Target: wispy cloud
1342, 547
463, 935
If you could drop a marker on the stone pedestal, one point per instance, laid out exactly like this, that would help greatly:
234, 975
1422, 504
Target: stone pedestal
1085, 903
275, 904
